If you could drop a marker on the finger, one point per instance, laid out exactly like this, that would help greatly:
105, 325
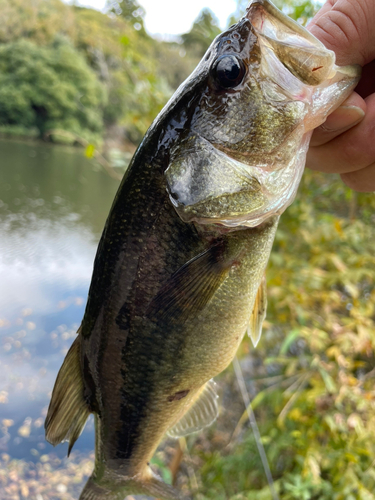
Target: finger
351, 112
350, 151
361, 180
344, 27
321, 12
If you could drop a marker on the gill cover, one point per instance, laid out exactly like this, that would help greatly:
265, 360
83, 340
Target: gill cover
266, 84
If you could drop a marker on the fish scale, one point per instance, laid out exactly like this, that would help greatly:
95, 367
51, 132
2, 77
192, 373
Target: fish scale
179, 273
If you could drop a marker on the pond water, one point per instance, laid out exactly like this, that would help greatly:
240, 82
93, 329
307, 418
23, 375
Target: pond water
53, 206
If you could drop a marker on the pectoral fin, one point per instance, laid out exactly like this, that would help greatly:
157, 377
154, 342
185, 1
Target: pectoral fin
191, 288
67, 412
258, 314
203, 413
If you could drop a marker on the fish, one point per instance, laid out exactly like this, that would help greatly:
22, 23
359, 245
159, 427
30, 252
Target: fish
178, 276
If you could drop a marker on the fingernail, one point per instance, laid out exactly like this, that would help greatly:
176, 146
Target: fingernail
342, 118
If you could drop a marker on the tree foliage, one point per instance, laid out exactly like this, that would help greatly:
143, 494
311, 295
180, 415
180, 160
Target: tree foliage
38, 20
203, 31
129, 10
49, 87
137, 73
120, 58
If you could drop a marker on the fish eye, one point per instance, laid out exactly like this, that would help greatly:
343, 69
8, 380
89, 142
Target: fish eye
229, 71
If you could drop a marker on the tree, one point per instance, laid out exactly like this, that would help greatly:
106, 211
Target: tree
203, 31
129, 10
49, 88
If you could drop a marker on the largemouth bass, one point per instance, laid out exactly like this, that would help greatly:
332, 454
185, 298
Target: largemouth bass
178, 275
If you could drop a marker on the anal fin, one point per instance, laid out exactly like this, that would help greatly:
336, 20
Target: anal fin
258, 314
68, 411
201, 414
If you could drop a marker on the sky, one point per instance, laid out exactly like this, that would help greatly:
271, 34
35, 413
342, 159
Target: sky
173, 17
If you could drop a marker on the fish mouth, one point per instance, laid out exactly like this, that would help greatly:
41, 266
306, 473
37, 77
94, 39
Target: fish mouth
298, 50
268, 20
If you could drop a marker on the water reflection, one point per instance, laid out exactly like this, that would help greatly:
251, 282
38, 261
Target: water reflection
53, 205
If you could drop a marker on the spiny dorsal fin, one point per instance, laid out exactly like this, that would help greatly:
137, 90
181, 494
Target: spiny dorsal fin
203, 413
67, 412
258, 315
190, 288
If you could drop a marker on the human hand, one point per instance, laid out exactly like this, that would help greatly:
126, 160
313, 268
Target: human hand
345, 143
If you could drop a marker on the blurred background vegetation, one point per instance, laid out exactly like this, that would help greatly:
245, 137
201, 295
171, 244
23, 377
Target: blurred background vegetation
90, 74
74, 74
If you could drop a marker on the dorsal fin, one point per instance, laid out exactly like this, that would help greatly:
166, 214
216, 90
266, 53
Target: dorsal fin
67, 412
203, 413
258, 314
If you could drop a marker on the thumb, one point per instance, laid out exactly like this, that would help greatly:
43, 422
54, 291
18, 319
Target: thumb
347, 28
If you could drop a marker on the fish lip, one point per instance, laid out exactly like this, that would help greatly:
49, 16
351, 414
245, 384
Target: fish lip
257, 10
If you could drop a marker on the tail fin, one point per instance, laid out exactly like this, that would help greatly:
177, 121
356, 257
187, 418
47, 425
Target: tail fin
67, 412
118, 488
107, 484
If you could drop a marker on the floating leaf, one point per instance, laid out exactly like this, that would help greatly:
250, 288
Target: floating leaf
90, 151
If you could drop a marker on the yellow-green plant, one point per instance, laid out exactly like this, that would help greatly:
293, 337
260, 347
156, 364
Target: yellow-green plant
313, 372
